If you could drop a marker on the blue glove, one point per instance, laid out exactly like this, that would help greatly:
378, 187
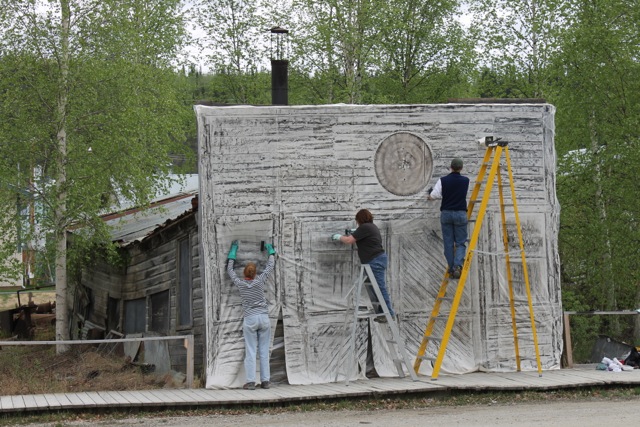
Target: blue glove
336, 236
233, 250
269, 248
349, 231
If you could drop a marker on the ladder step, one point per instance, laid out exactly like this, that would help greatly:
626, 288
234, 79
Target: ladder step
432, 359
434, 338
450, 299
366, 315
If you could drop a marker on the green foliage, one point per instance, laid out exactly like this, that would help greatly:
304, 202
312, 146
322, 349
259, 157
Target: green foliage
519, 38
598, 114
93, 113
373, 51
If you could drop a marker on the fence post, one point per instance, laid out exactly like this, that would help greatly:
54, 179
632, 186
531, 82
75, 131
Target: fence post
568, 347
189, 344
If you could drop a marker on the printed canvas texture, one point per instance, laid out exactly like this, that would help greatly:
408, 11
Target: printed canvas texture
295, 175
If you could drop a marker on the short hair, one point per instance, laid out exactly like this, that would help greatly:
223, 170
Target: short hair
456, 164
364, 216
250, 271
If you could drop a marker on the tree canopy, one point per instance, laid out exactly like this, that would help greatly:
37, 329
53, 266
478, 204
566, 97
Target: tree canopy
91, 108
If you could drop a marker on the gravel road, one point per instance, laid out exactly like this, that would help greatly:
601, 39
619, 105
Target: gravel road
562, 413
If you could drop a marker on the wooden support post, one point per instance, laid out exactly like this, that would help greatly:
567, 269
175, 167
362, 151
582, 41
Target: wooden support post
568, 347
189, 344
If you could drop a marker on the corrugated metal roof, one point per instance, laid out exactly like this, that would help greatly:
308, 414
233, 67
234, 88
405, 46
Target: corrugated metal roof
132, 224
187, 185
138, 224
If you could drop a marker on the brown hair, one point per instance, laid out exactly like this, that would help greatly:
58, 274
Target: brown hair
250, 271
364, 216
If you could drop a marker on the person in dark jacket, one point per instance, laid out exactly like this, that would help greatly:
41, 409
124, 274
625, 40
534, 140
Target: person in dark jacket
256, 326
452, 189
370, 251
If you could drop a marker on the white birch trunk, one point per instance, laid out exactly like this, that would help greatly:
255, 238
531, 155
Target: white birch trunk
62, 321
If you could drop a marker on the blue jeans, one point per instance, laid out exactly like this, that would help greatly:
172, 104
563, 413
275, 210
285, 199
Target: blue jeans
257, 333
379, 267
454, 236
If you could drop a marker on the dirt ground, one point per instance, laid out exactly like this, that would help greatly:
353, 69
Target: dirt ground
616, 413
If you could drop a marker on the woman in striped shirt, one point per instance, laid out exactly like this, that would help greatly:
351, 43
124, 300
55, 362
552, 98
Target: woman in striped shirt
256, 326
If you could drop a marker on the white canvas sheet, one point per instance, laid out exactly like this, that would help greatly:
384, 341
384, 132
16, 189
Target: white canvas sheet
296, 175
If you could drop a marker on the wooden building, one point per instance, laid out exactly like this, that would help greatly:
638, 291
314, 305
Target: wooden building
157, 291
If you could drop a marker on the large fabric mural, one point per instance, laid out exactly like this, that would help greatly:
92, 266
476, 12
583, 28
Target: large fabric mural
293, 176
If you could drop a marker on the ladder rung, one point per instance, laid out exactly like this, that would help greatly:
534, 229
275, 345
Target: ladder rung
432, 338
392, 341
450, 299
432, 359
366, 315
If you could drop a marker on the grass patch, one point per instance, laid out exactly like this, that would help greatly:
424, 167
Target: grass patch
38, 369
9, 299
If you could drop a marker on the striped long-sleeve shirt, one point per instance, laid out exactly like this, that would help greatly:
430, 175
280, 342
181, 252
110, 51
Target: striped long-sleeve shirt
252, 291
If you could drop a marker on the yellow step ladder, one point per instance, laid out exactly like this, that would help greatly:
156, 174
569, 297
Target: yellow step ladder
493, 154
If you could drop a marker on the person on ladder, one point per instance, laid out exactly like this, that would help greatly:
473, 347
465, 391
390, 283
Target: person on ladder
452, 189
370, 251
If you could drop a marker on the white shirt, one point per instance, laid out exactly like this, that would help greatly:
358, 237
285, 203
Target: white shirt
437, 191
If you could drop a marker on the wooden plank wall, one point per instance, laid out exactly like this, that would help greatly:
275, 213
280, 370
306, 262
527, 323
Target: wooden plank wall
303, 172
152, 268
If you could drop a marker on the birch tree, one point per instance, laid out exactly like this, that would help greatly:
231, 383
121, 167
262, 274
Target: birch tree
423, 50
334, 43
234, 45
598, 141
88, 97
519, 37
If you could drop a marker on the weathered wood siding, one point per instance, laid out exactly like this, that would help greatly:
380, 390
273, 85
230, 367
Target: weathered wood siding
296, 175
152, 268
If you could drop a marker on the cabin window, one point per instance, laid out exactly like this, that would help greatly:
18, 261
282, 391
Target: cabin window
159, 309
135, 315
184, 283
